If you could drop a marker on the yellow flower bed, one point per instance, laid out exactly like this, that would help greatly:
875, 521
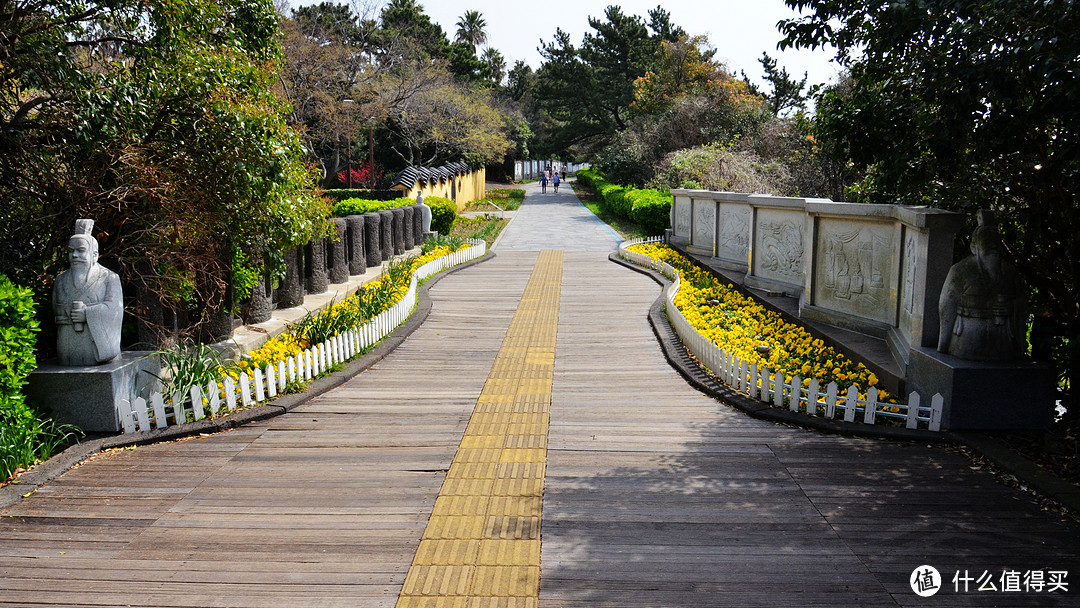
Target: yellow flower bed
288, 345
740, 325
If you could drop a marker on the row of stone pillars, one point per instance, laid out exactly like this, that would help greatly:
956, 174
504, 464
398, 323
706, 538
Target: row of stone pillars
361, 242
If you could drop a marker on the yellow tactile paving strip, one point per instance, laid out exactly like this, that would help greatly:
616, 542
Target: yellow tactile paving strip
481, 547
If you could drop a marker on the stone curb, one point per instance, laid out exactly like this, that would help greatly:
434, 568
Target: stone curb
30, 481
1030, 474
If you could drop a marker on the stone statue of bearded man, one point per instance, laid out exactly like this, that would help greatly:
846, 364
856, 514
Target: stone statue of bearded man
88, 304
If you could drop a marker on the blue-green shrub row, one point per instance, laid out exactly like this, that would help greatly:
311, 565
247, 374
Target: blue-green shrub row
649, 208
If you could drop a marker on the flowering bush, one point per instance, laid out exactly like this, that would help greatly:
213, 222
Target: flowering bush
746, 329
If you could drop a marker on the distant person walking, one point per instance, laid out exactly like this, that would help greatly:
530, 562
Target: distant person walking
555, 181
543, 182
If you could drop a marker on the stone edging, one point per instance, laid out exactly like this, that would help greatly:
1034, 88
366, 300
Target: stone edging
30, 481
1033, 476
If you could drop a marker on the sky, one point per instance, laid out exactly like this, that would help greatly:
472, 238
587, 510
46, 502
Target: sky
739, 30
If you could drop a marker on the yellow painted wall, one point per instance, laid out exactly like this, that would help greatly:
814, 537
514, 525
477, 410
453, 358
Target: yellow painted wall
465, 189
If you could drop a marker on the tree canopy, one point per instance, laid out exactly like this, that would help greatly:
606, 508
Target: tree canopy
157, 119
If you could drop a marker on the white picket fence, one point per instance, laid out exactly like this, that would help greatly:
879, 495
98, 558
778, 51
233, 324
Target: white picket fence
225, 395
795, 393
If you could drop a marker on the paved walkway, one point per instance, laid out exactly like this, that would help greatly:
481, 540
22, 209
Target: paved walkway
529, 445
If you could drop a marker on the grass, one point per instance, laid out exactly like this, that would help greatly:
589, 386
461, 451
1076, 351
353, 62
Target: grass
485, 227
508, 199
627, 229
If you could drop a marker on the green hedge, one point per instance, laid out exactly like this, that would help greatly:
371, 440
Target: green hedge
18, 324
342, 194
443, 214
357, 206
649, 208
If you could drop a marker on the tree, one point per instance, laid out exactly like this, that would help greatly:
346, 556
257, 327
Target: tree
157, 120
471, 29
495, 63
964, 106
589, 89
787, 94
447, 120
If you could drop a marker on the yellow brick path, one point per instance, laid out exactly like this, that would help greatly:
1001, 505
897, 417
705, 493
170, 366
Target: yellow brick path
481, 547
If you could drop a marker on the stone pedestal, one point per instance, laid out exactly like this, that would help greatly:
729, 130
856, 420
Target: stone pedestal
372, 239
260, 305
983, 395
418, 224
337, 263
386, 234
290, 292
399, 230
407, 230
316, 278
89, 396
355, 245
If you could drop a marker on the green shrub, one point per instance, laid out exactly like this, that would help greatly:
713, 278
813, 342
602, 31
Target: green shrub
358, 206
18, 324
589, 176
443, 213
25, 437
651, 209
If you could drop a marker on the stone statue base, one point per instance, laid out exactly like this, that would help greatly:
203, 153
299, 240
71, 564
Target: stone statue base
984, 395
88, 396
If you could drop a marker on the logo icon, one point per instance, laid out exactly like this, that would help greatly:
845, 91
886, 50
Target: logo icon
925, 581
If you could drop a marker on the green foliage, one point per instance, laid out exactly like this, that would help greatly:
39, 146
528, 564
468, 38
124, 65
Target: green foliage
443, 213
18, 326
651, 209
157, 119
319, 326
188, 364
342, 194
25, 437
588, 89
357, 206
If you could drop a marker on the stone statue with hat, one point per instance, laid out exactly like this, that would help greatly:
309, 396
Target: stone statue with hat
88, 304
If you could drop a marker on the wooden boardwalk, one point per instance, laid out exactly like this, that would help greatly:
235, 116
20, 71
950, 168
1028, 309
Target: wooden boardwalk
654, 494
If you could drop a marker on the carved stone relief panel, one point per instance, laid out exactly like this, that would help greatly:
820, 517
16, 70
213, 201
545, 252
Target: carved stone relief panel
704, 224
853, 268
779, 247
907, 301
682, 216
733, 232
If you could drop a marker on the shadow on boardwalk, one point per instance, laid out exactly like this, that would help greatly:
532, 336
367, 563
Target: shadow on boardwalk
658, 496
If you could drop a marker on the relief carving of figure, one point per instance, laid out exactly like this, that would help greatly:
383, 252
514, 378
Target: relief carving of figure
88, 304
783, 250
983, 306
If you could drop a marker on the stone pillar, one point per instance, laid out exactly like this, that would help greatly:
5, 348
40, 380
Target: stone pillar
372, 239
338, 262
386, 234
399, 230
259, 304
407, 230
291, 291
315, 276
355, 244
418, 224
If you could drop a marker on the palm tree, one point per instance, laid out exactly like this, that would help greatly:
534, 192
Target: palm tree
470, 29
494, 60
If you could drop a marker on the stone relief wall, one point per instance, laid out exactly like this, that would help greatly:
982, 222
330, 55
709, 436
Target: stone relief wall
864, 267
704, 226
778, 246
733, 234
854, 271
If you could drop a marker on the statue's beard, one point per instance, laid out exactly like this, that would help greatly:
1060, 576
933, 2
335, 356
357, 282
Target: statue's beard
81, 270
